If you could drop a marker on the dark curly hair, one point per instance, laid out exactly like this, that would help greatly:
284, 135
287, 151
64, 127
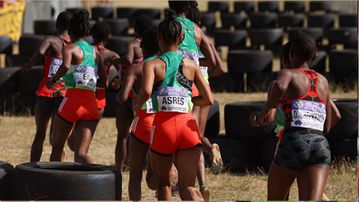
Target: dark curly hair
182, 6
63, 21
100, 32
79, 24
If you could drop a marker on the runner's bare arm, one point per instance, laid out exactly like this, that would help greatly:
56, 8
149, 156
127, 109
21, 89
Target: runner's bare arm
65, 66
335, 114
205, 97
102, 81
148, 78
212, 57
125, 90
40, 52
328, 121
278, 90
126, 59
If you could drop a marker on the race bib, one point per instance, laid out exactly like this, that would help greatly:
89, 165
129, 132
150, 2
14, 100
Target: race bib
204, 71
85, 76
149, 106
54, 66
308, 114
173, 99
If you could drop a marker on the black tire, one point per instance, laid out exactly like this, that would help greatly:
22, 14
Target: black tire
28, 82
111, 104
6, 174
323, 21
237, 121
66, 181
246, 6
267, 149
263, 20
118, 44
319, 62
221, 6
45, 27
268, 6
232, 39
249, 61
5, 45
101, 12
346, 148
348, 20
291, 20
347, 127
237, 155
29, 43
237, 20
295, 6
119, 27
7, 80
212, 125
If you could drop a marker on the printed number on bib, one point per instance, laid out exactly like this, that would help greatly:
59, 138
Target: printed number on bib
173, 99
85, 76
308, 114
54, 66
149, 106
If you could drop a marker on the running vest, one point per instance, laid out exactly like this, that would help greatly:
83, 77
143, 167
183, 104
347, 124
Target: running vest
308, 111
83, 76
188, 47
175, 92
51, 65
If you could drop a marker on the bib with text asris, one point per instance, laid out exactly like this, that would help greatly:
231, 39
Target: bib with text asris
173, 99
308, 114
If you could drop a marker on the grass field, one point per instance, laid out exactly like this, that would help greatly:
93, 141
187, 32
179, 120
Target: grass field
16, 135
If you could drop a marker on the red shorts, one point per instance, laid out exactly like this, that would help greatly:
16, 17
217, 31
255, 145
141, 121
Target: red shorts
142, 126
174, 131
101, 98
79, 104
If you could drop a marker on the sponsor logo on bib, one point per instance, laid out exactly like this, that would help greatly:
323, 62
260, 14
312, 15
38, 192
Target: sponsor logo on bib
308, 114
173, 99
54, 66
85, 76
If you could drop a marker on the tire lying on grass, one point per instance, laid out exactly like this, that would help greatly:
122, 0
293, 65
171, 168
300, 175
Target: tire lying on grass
212, 125
66, 181
6, 173
237, 155
346, 148
347, 127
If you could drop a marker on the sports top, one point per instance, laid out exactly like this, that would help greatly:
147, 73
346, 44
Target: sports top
174, 93
83, 76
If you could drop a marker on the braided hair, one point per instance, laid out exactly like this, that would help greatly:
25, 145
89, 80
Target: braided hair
170, 29
79, 24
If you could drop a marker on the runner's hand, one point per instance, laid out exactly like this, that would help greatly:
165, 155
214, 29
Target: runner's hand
50, 84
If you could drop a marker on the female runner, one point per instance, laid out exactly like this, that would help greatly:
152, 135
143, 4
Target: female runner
175, 136
302, 97
48, 100
141, 126
80, 70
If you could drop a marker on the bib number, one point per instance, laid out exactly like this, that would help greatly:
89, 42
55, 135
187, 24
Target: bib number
149, 106
308, 114
172, 99
86, 76
54, 66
